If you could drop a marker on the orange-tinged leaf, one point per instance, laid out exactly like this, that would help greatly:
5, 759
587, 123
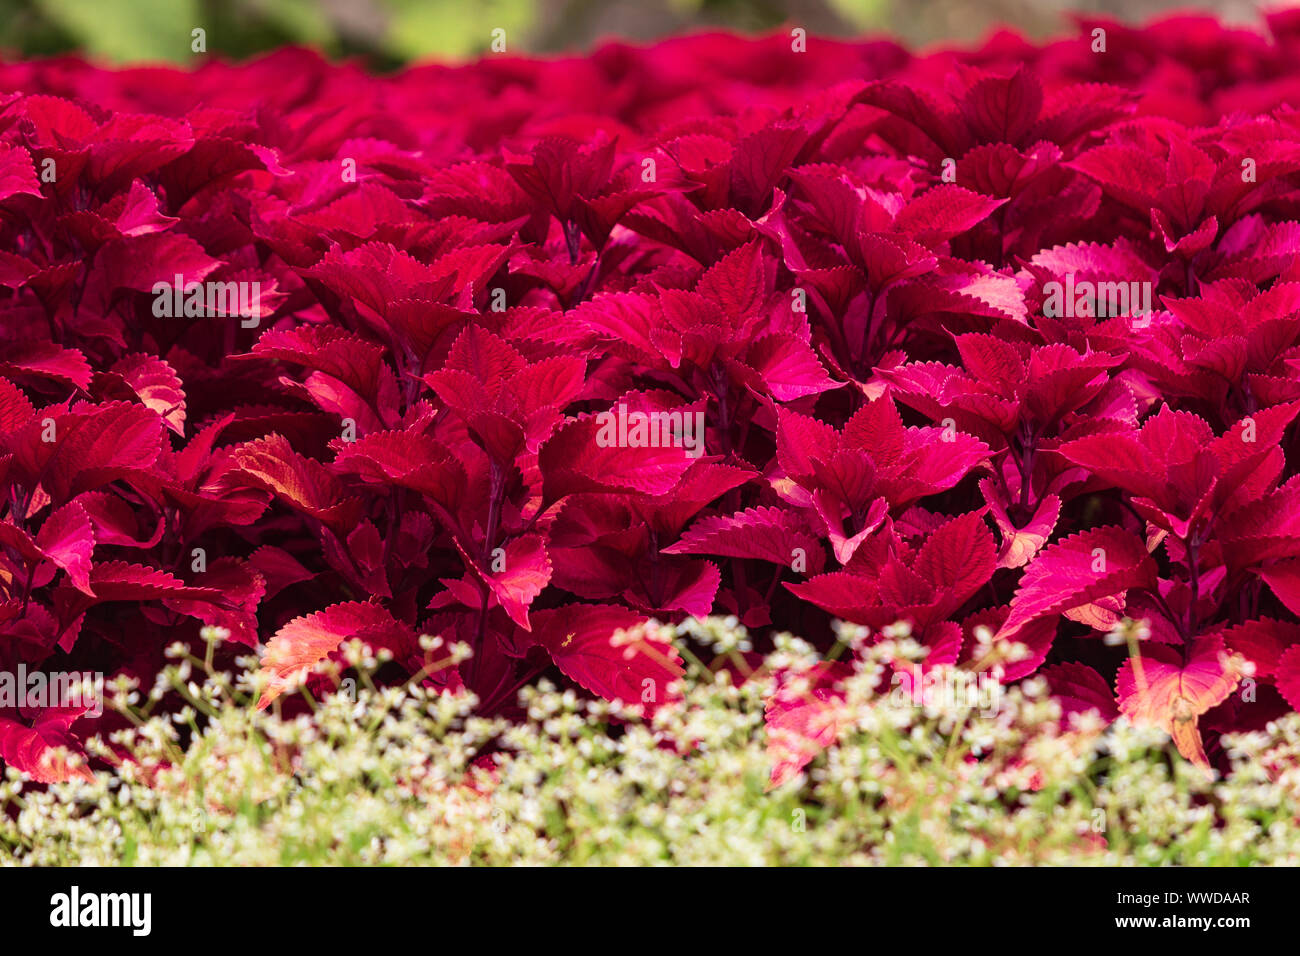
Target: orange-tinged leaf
301, 482
305, 641
1159, 690
156, 384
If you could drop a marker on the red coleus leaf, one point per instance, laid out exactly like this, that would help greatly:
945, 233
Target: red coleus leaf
67, 540
141, 263
1262, 643
114, 522
803, 718
17, 175
739, 282
508, 404
579, 639
1002, 109
15, 408
1288, 676
1175, 466
704, 481
91, 446
306, 641
408, 460
954, 562
1283, 578
349, 358
621, 450
958, 557
945, 211
1079, 689
241, 588
120, 581
514, 574
1020, 544
787, 367
767, 534
153, 382
874, 458
32, 750
1077, 571
46, 360
300, 482
1125, 172
559, 173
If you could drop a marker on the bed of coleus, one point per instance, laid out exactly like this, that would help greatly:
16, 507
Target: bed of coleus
885, 283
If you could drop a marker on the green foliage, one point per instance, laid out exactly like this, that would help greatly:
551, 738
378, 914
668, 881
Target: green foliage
122, 30
389, 32
130, 31
452, 28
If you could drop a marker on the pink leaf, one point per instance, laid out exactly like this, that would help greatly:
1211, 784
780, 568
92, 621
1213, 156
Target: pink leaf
1079, 570
305, 641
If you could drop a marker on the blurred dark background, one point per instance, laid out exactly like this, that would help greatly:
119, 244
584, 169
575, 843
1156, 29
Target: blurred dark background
391, 32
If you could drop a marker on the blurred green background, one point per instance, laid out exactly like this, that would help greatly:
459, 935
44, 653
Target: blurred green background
390, 32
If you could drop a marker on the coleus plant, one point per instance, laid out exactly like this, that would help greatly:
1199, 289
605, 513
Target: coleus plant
878, 292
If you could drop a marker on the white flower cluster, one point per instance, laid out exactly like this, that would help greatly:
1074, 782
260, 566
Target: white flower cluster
410, 776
